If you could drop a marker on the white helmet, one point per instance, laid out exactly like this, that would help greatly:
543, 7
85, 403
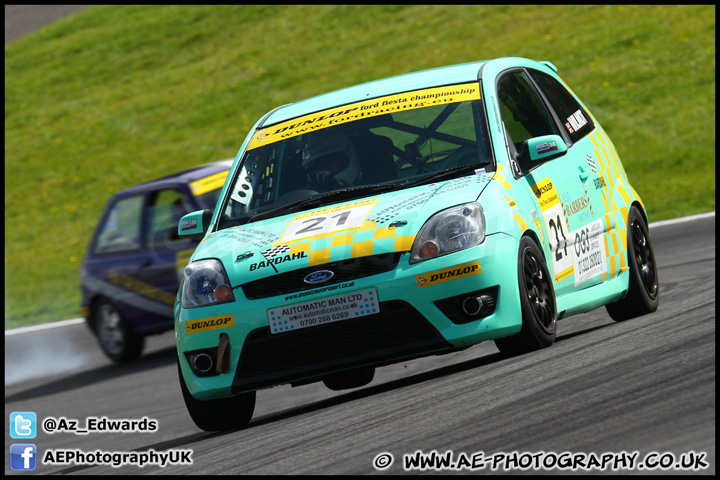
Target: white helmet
330, 154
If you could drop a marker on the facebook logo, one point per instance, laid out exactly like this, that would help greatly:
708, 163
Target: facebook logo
23, 456
23, 425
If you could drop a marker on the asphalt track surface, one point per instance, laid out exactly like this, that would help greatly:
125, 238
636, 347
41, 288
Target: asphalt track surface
644, 386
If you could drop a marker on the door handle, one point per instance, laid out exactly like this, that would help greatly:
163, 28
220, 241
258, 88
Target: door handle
583, 174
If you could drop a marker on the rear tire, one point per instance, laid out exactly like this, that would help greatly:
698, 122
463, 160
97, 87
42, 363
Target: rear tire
219, 414
537, 301
643, 293
117, 339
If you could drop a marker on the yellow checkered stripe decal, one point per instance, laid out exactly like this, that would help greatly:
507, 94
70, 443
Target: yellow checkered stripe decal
500, 178
366, 240
617, 199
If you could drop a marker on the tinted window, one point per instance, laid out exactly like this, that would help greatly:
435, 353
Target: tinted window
522, 109
524, 113
576, 121
120, 231
164, 211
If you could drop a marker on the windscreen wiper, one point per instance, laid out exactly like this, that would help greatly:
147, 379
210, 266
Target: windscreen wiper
325, 199
446, 174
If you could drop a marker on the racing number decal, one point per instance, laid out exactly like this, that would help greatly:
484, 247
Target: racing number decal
556, 226
328, 220
561, 249
562, 255
319, 223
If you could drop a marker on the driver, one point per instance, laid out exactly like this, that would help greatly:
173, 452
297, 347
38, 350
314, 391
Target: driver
330, 160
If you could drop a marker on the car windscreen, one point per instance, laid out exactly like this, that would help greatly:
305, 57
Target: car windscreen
364, 148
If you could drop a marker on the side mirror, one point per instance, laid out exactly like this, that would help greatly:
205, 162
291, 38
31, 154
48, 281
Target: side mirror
545, 147
195, 225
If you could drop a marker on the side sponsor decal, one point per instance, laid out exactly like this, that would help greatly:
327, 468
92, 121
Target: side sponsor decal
141, 288
557, 228
447, 274
578, 210
188, 224
576, 121
210, 323
546, 147
591, 163
589, 252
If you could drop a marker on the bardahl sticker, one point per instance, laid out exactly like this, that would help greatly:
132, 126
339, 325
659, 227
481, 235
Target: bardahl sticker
365, 109
447, 274
210, 323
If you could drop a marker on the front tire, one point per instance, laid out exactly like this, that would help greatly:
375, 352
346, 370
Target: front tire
643, 293
537, 302
219, 414
117, 339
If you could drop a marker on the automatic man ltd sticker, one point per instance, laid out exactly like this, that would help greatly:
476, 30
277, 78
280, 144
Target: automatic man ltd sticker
324, 310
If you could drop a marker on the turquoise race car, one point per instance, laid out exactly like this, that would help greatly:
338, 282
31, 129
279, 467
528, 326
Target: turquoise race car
406, 217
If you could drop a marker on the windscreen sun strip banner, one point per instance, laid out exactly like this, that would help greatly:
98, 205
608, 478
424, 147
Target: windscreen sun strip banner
366, 109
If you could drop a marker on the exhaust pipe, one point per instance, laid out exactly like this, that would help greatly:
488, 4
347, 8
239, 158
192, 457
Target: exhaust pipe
474, 305
202, 362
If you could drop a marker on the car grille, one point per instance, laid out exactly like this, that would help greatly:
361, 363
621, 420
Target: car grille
346, 270
396, 332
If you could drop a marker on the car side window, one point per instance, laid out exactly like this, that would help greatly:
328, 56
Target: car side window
164, 210
573, 116
120, 231
523, 112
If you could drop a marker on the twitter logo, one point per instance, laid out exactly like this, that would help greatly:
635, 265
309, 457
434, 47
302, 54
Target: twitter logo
23, 425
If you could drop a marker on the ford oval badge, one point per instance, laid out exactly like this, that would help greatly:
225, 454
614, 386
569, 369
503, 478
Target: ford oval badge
318, 277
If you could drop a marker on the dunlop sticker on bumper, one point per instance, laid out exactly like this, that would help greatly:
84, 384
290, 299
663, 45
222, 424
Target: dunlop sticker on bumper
447, 274
211, 323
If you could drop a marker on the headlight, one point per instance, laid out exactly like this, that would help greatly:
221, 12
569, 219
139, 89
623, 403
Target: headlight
449, 231
205, 283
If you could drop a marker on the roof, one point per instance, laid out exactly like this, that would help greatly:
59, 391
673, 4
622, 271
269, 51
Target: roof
466, 72
184, 176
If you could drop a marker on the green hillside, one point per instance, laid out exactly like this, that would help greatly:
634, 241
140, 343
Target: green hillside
116, 95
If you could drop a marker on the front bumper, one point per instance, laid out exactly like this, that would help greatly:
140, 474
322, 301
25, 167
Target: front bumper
416, 318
